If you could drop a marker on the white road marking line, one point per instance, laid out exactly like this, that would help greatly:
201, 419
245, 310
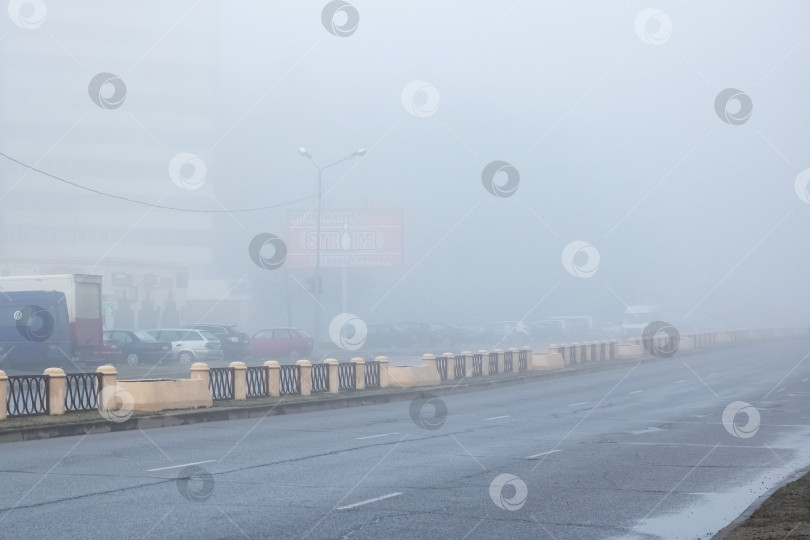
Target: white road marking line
361, 503
645, 430
804, 380
575, 404
183, 465
679, 382
635, 392
375, 436
498, 417
780, 390
543, 454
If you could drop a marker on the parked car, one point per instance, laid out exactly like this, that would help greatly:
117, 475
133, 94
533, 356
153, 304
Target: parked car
135, 347
385, 335
418, 334
234, 343
277, 343
190, 345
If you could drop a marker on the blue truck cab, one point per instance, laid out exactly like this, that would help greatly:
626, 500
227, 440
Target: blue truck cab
34, 328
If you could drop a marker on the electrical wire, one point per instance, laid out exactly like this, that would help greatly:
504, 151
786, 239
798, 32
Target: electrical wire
152, 205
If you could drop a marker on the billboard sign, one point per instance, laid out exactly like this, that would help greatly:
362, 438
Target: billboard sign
364, 238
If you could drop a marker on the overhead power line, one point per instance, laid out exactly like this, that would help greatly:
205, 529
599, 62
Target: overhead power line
152, 205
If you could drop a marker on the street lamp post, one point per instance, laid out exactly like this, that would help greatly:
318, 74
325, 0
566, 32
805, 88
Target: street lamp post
303, 151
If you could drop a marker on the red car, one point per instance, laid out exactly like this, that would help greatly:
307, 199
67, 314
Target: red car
280, 343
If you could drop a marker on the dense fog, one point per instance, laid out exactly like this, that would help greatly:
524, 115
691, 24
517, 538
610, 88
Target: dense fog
647, 157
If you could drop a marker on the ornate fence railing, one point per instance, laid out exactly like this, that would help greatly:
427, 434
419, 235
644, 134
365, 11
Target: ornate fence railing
523, 360
493, 363
508, 362
372, 374
320, 377
441, 365
256, 381
28, 395
290, 380
478, 365
347, 380
460, 366
82, 391
221, 383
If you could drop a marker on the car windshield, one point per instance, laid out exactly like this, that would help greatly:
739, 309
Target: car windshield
209, 336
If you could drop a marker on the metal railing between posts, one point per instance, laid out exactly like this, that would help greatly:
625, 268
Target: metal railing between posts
478, 365
346, 376
441, 365
493, 363
320, 377
221, 383
508, 362
82, 391
372, 374
290, 379
523, 360
28, 395
256, 381
460, 366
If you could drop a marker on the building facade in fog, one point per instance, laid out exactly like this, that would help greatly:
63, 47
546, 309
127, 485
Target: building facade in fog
161, 105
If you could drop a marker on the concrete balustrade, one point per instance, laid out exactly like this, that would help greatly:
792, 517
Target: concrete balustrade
451, 365
429, 360
383, 371
109, 375
273, 378
57, 390
334, 376
162, 394
239, 380
306, 377
468, 363
484, 362
412, 376
359, 373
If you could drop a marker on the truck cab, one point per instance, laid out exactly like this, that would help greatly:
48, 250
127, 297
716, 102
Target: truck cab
34, 328
637, 317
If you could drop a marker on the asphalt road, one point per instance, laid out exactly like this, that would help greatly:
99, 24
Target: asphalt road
639, 451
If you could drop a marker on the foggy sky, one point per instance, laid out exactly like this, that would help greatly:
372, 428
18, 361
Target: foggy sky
616, 141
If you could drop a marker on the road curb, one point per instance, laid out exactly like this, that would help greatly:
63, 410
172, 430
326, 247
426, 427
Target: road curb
258, 409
